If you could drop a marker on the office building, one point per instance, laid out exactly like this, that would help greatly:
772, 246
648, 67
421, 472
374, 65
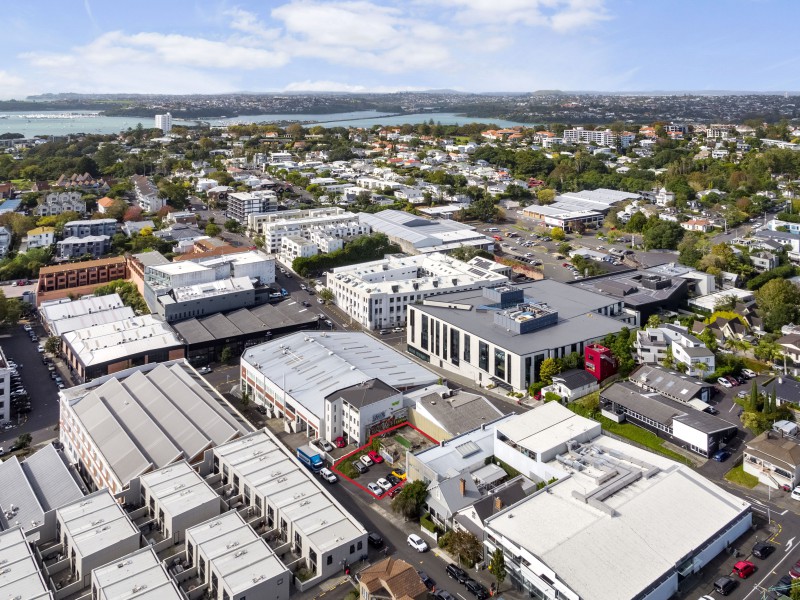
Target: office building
124, 425
243, 204
377, 294
78, 279
164, 122
500, 336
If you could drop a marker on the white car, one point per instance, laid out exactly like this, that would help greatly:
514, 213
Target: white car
328, 475
366, 460
749, 373
40, 348
384, 484
373, 487
326, 445
796, 493
417, 543
724, 382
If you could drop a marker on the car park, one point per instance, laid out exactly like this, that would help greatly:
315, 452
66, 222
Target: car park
328, 475
721, 455
417, 543
426, 579
762, 550
384, 484
375, 457
374, 488
744, 568
366, 460
725, 585
374, 540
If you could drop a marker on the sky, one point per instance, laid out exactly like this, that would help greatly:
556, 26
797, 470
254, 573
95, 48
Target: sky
223, 46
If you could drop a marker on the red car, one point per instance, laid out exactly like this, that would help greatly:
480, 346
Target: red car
339, 442
376, 458
395, 491
744, 568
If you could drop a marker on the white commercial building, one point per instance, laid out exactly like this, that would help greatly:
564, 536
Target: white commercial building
137, 576
309, 524
64, 315
243, 204
637, 523
124, 425
377, 293
293, 376
164, 122
588, 207
333, 222
20, 576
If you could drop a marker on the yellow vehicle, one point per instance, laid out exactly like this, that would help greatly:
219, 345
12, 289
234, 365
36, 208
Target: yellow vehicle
400, 473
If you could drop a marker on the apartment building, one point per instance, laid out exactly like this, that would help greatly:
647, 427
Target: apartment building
604, 137
332, 222
121, 426
41, 237
5, 388
56, 203
653, 345
295, 246
20, 577
377, 294
243, 204
164, 122
78, 279
147, 195
93, 227
307, 521
77, 247
139, 575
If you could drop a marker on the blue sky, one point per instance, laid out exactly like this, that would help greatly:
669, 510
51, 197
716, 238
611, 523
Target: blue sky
210, 46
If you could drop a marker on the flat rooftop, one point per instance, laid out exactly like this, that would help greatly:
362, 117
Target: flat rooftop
137, 576
265, 465
178, 488
211, 288
235, 552
624, 539
20, 576
546, 427
95, 523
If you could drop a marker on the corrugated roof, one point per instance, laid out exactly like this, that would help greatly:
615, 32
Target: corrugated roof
50, 478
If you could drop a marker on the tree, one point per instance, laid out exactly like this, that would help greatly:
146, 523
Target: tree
778, 301
636, 223
654, 321
548, 369
752, 405
24, 440
411, 499
226, 355
53, 344
546, 196
245, 399
664, 235
466, 546
557, 233
213, 230
326, 295
497, 567
233, 226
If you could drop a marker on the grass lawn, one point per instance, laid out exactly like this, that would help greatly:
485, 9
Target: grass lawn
739, 477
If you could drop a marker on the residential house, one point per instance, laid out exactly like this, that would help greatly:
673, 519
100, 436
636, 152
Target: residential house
473, 518
790, 347
654, 345
76, 247
147, 195
764, 261
104, 204
786, 390
774, 459
41, 237
391, 579
5, 240
702, 225
572, 384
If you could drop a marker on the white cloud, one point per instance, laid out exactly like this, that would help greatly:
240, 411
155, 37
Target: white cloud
337, 86
248, 22
560, 15
12, 86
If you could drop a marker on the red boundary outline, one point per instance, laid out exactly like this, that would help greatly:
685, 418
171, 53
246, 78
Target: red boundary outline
335, 466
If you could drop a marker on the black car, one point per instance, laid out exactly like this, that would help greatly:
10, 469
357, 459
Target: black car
374, 540
392, 479
762, 549
783, 584
261, 409
429, 583
477, 589
725, 585
444, 595
457, 573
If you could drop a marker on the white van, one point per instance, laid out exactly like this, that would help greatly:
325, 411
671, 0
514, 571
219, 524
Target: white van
328, 475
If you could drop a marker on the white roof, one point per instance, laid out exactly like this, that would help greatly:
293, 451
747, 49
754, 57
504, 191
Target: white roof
548, 426
176, 268
265, 465
20, 576
236, 553
65, 308
628, 539
314, 364
178, 488
104, 343
96, 523
139, 576
212, 288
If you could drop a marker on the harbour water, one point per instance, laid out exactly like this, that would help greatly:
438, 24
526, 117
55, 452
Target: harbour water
57, 123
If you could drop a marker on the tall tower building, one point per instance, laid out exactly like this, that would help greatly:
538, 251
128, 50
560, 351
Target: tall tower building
164, 122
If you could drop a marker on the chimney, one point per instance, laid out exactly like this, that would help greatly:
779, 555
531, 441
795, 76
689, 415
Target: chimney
498, 503
462, 485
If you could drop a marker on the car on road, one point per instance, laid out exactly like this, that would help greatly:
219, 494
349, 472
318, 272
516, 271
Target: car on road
477, 589
384, 332
384, 484
374, 540
426, 579
455, 572
398, 330
762, 550
417, 543
366, 460
328, 475
360, 467
374, 488
204, 370
721, 455
375, 457
724, 382
744, 568
444, 595
339, 442
725, 585
306, 303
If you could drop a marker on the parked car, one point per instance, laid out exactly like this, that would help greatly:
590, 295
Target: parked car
744, 568
477, 589
366, 460
429, 583
724, 382
712, 411
374, 540
384, 484
762, 550
384, 332
326, 445
328, 475
398, 330
339, 442
733, 381
360, 467
392, 479
400, 473
374, 488
721, 455
40, 348
749, 373
417, 543
443, 595
375, 457
394, 492
204, 370
742, 394
455, 572
725, 585
306, 303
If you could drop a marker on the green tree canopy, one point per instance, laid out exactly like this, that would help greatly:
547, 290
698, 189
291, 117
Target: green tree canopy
778, 301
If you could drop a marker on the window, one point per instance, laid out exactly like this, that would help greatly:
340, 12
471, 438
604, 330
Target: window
500, 363
424, 336
467, 342
352, 548
360, 545
483, 356
455, 352
330, 559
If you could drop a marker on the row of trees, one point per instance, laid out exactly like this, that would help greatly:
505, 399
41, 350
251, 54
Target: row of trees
363, 249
